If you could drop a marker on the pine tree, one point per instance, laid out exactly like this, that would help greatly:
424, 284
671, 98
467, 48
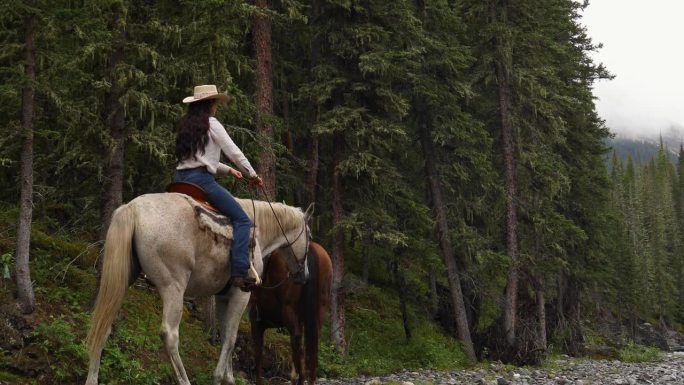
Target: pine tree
25, 295
264, 94
448, 135
353, 101
545, 112
679, 257
115, 118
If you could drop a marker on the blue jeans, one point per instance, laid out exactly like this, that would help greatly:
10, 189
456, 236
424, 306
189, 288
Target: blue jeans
218, 196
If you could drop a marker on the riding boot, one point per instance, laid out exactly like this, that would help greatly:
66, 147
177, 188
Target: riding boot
245, 284
239, 278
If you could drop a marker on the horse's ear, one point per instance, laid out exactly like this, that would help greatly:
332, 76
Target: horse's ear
309, 212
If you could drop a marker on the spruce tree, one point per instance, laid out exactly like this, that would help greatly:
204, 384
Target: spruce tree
25, 295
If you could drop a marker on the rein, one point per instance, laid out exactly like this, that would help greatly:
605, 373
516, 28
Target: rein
254, 225
277, 285
299, 266
293, 265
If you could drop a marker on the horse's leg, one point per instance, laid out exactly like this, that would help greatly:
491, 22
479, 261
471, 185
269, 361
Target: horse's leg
312, 331
258, 346
312, 348
258, 343
172, 298
229, 309
294, 327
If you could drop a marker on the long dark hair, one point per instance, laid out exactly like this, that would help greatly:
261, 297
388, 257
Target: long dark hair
193, 131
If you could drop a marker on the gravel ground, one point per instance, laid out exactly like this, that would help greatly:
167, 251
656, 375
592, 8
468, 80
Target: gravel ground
563, 371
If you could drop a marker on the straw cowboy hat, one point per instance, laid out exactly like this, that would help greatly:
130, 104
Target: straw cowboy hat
206, 92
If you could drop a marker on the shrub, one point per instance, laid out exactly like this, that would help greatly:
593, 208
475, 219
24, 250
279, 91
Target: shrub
59, 340
637, 353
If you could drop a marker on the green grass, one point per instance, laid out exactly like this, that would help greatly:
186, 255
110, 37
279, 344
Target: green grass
637, 353
377, 344
6, 376
64, 283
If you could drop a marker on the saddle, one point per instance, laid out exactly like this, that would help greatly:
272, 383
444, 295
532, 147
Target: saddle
208, 217
194, 191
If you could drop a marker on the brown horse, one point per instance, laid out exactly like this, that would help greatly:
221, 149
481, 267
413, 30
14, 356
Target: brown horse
281, 302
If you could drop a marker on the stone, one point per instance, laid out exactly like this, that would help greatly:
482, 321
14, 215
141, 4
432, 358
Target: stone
669, 371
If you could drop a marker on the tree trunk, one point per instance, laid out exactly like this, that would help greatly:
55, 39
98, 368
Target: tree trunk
25, 295
208, 310
571, 309
365, 257
538, 282
453, 274
264, 95
312, 183
338, 318
116, 119
505, 109
434, 297
400, 284
289, 140
541, 315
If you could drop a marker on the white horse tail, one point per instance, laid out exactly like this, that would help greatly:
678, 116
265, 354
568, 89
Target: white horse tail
114, 279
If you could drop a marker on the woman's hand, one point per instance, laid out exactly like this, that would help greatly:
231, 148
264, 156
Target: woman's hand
235, 173
256, 182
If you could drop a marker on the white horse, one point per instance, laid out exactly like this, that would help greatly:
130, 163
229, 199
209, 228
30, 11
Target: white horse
160, 235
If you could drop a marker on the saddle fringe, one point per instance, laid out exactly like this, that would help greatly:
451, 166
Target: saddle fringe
218, 225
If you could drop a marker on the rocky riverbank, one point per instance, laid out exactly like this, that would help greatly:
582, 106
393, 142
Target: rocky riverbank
560, 371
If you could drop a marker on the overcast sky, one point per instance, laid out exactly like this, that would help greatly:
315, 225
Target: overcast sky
643, 46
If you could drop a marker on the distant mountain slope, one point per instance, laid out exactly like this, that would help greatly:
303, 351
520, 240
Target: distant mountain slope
641, 150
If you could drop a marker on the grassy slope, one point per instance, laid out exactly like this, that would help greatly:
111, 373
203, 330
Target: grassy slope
53, 351
377, 343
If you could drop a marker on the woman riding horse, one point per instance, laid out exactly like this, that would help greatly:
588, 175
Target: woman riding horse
161, 235
200, 140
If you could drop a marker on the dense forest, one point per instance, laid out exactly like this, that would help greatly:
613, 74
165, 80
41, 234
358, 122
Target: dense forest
452, 149
642, 150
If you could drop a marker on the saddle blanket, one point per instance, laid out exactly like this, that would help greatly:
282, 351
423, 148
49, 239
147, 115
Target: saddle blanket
219, 225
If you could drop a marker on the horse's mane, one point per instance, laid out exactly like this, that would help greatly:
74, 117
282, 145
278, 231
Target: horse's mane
289, 216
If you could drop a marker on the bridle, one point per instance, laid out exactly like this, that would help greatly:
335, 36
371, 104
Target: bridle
295, 265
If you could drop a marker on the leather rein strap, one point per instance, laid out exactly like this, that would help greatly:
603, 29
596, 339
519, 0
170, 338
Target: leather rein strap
296, 269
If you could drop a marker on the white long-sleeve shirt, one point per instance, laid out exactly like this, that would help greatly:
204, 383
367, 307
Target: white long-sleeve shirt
218, 141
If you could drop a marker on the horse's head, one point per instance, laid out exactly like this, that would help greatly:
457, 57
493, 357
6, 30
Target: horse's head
296, 244
282, 227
